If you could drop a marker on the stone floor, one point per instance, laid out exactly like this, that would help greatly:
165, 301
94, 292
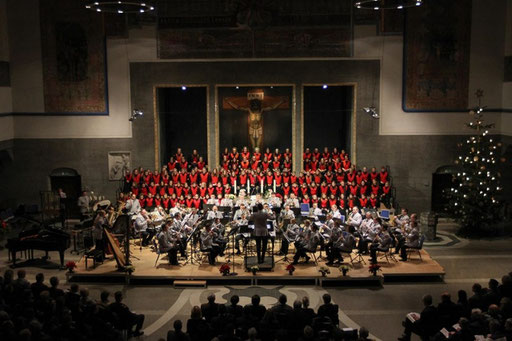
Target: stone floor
381, 309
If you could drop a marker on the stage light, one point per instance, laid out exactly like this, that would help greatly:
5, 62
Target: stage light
378, 5
119, 7
324, 86
183, 87
136, 113
237, 87
372, 111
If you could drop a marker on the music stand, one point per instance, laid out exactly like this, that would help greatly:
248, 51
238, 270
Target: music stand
192, 246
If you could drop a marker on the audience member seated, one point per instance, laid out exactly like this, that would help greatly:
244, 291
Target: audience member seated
127, 318
177, 334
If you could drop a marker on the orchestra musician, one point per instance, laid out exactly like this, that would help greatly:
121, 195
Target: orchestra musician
240, 219
335, 212
97, 231
344, 243
366, 233
292, 201
219, 230
382, 242
289, 236
167, 243
354, 218
214, 214
287, 213
401, 219
141, 224
133, 205
308, 243
315, 211
208, 245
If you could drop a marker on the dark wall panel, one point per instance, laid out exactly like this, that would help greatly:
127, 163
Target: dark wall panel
327, 116
182, 115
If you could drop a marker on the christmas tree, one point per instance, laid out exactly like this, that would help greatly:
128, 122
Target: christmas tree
473, 198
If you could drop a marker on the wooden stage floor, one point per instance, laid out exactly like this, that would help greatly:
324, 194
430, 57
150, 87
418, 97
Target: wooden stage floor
145, 269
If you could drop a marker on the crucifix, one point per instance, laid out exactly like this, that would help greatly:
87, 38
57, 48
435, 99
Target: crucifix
255, 104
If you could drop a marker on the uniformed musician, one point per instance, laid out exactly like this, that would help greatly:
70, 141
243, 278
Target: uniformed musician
167, 244
208, 245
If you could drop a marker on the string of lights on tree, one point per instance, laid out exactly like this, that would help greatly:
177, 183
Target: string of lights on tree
473, 198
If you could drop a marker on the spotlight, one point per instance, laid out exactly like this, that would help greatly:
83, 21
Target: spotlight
183, 87
372, 111
135, 114
324, 86
237, 87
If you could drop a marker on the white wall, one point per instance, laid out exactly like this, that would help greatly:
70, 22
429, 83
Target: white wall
486, 71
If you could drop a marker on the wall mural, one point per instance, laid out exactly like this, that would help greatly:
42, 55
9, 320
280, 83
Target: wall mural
73, 53
436, 56
247, 29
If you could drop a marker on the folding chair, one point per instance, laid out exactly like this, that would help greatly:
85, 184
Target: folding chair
417, 249
157, 250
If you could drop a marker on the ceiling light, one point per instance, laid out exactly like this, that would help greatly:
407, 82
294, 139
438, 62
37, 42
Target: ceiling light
119, 7
377, 5
324, 86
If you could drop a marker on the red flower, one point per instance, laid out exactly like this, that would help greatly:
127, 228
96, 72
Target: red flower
290, 267
224, 268
70, 265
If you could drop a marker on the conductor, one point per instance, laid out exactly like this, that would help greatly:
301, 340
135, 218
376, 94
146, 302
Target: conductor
260, 231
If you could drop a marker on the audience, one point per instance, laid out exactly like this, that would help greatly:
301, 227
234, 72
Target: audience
487, 313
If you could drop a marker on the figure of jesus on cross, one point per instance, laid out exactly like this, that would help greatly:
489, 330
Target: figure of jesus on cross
255, 104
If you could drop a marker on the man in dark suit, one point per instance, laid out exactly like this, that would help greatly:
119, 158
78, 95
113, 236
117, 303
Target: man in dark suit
280, 313
260, 231
447, 311
426, 326
254, 312
211, 309
125, 316
329, 310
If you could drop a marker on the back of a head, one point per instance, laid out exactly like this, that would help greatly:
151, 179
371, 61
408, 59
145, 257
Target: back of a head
22, 273
118, 296
508, 324
235, 299
54, 281
211, 298
260, 207
283, 299
477, 288
297, 304
308, 332
493, 284
196, 312
255, 300
178, 325
363, 332
104, 296
305, 301
74, 288
445, 297
463, 296
326, 298
463, 323
40, 278
252, 333
427, 300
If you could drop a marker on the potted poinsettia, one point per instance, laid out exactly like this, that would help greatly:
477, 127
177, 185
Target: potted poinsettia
290, 268
71, 266
324, 271
345, 268
224, 269
373, 269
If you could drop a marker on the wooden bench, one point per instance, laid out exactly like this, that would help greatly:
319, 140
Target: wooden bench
95, 255
186, 283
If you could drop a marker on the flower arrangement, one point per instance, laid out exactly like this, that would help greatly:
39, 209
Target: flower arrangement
70, 266
345, 269
373, 269
224, 269
255, 269
290, 268
324, 271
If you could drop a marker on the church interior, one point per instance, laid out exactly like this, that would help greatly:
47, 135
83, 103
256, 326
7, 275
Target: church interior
255, 170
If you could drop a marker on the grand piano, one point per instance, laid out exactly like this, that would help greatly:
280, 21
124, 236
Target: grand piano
43, 238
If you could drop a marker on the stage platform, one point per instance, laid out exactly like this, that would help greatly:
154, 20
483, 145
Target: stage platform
305, 274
